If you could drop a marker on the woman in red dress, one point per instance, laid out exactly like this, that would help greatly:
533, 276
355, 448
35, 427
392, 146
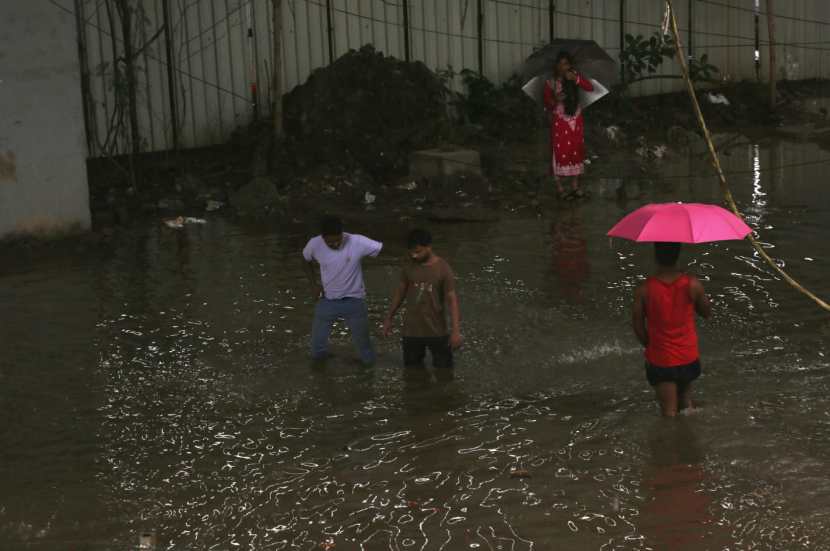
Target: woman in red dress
566, 124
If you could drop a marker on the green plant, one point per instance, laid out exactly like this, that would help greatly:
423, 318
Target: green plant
641, 56
504, 111
700, 70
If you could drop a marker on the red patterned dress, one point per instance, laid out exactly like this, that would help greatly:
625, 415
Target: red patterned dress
567, 132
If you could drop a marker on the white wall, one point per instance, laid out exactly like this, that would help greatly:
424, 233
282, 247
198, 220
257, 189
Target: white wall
43, 182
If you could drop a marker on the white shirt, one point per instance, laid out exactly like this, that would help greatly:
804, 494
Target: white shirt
340, 269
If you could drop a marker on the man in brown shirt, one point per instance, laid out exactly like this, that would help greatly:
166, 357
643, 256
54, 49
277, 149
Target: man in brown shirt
428, 286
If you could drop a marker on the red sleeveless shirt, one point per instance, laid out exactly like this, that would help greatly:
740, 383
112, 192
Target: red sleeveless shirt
670, 319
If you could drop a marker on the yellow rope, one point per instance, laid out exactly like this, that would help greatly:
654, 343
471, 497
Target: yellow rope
681, 58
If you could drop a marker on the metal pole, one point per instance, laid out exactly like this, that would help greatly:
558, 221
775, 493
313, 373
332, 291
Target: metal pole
622, 40
276, 92
551, 10
406, 53
480, 39
330, 31
80, 24
757, 41
691, 29
171, 80
771, 30
254, 36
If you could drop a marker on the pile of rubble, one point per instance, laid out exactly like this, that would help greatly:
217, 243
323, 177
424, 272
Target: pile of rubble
366, 111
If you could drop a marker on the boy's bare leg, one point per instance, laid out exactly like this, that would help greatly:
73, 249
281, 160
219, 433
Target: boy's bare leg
667, 396
684, 397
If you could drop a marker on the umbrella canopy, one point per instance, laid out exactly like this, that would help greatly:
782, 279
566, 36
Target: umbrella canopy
589, 59
680, 223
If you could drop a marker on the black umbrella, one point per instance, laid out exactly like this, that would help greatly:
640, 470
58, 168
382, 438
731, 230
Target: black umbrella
589, 59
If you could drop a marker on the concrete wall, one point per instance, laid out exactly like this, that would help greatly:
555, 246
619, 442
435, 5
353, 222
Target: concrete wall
43, 181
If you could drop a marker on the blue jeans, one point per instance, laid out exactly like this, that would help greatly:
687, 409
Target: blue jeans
354, 312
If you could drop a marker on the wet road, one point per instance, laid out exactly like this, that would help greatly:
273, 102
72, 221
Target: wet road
164, 386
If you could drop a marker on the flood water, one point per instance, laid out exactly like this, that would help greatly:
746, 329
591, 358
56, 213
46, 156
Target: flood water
164, 386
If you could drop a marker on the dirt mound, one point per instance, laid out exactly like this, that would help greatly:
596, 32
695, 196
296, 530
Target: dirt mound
366, 111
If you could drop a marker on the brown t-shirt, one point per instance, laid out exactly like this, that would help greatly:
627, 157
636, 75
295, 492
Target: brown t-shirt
426, 297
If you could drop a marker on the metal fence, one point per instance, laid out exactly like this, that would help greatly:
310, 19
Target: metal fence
203, 67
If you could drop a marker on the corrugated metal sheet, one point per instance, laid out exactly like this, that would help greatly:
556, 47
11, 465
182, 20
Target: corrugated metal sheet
220, 50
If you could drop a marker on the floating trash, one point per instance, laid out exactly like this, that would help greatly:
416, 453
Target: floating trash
180, 221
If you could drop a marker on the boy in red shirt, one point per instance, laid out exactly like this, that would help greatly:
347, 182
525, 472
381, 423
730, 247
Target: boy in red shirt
663, 318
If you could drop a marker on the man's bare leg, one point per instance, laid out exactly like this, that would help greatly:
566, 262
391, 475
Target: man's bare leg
667, 396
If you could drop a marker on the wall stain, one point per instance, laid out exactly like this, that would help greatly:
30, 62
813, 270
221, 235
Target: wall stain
8, 167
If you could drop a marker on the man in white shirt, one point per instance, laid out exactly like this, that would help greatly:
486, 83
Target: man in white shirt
343, 293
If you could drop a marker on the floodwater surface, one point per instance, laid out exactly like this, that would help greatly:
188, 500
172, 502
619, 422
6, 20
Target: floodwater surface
164, 387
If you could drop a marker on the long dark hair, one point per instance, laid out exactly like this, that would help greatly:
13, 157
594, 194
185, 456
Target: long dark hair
569, 87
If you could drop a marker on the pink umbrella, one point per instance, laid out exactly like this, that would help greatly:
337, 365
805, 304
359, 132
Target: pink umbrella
680, 223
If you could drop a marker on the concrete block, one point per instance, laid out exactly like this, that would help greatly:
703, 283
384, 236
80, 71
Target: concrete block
437, 163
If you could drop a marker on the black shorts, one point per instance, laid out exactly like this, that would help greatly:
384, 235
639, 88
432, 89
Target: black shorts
415, 350
682, 375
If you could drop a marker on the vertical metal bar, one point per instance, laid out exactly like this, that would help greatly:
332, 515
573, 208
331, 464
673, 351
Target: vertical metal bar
159, 83
496, 19
480, 23
80, 30
243, 43
267, 96
757, 52
171, 80
104, 93
622, 39
185, 18
450, 45
231, 63
255, 39
148, 89
406, 51
372, 22
308, 21
298, 47
276, 88
691, 29
772, 62
551, 12
426, 38
386, 29
330, 31
214, 24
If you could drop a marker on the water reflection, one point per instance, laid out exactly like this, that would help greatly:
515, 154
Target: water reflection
569, 255
678, 513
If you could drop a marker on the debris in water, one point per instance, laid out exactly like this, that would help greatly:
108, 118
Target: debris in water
519, 473
613, 133
717, 99
213, 205
179, 222
369, 198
